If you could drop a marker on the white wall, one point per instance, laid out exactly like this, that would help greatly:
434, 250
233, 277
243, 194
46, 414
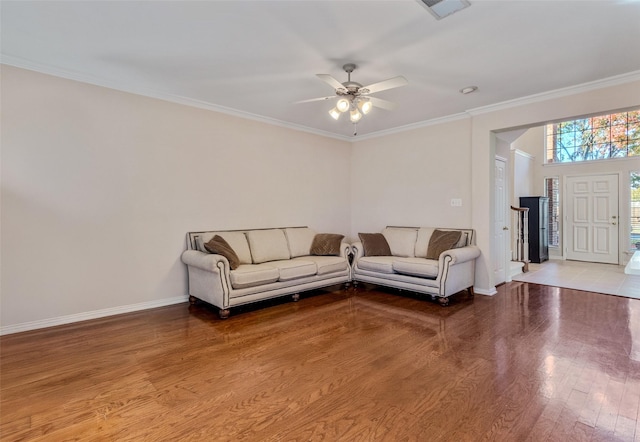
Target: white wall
409, 179
99, 188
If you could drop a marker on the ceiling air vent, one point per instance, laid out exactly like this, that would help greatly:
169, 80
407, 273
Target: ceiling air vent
442, 8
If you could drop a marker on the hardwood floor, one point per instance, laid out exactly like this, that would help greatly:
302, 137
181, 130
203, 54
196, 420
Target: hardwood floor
532, 363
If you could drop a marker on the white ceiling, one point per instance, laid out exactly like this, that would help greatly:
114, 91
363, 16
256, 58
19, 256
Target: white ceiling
259, 57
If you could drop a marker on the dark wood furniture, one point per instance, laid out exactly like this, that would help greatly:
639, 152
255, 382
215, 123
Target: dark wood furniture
538, 223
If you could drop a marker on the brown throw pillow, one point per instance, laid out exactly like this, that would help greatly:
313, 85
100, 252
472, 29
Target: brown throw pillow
374, 244
442, 240
219, 246
326, 244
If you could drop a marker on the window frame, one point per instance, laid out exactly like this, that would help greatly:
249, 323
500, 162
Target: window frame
593, 128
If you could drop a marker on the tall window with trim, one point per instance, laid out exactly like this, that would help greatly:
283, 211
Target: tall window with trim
552, 190
595, 138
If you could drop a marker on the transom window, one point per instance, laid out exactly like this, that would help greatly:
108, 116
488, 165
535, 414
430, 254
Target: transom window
595, 138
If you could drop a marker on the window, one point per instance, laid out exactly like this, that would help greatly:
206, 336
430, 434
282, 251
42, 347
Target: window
594, 138
552, 190
634, 238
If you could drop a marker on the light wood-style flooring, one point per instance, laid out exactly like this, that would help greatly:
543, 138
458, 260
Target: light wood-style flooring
532, 363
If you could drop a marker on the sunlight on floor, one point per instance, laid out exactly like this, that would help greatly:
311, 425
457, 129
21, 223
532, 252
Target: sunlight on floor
602, 278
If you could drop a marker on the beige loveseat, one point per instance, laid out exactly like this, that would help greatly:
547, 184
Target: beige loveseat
270, 263
408, 266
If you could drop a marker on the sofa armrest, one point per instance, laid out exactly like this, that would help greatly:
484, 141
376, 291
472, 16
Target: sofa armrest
204, 261
461, 254
345, 250
357, 250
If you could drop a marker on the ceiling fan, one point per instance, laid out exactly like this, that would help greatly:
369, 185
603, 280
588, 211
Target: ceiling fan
354, 97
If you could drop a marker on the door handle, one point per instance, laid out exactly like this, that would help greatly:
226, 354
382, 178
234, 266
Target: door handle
614, 224
505, 228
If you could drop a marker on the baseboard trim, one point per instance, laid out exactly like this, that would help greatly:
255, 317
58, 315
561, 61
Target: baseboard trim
492, 291
95, 314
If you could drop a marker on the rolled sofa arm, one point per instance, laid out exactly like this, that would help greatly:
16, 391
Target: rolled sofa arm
357, 250
345, 249
461, 254
204, 261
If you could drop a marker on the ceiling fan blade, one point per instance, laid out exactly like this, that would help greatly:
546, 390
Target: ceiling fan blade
384, 104
315, 99
386, 84
330, 81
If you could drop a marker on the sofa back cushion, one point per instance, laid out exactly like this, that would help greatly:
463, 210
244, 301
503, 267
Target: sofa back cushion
299, 240
401, 240
268, 245
236, 240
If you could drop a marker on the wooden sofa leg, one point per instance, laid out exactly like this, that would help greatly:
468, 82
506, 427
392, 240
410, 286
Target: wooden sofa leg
223, 313
470, 290
295, 297
192, 300
444, 301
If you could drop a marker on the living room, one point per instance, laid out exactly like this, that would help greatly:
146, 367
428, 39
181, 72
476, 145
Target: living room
101, 184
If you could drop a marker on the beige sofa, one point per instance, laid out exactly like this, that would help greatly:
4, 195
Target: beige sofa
407, 267
272, 263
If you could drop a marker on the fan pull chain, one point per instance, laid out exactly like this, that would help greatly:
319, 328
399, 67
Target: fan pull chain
355, 129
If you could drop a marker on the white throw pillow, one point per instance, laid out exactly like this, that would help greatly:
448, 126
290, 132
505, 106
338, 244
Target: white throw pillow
268, 245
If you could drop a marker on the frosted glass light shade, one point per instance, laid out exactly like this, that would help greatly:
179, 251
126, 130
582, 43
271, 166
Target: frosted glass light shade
355, 115
335, 113
342, 105
365, 106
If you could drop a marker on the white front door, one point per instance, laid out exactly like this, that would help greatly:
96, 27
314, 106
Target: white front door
500, 232
592, 218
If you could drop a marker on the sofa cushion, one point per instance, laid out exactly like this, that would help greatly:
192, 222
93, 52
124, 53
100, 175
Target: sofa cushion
218, 245
326, 244
250, 275
374, 244
381, 264
268, 245
402, 241
328, 264
299, 240
236, 240
422, 241
442, 240
294, 268
427, 268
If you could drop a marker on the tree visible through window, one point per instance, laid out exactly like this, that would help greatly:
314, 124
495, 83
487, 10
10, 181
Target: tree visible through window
594, 138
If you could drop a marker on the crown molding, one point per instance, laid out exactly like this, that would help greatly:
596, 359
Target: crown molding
412, 126
558, 93
151, 93
83, 78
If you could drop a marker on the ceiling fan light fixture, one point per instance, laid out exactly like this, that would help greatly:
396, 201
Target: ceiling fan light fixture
335, 113
342, 105
355, 115
364, 104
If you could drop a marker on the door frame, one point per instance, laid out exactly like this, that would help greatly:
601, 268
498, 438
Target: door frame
506, 239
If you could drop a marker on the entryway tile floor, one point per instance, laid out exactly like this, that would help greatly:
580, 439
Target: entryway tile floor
592, 277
